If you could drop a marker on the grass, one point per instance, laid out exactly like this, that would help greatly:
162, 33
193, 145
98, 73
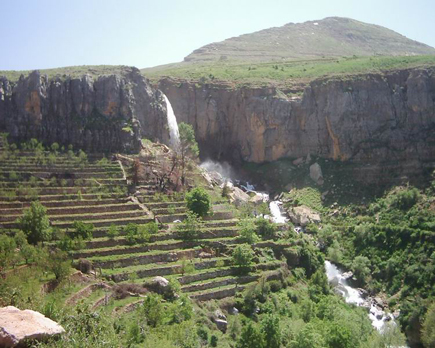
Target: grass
286, 73
72, 71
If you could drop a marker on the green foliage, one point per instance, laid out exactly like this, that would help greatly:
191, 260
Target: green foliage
242, 257
35, 223
190, 228
153, 310
361, 268
247, 231
188, 144
271, 331
113, 231
250, 337
7, 251
265, 228
198, 201
82, 230
428, 329
139, 233
58, 263
405, 199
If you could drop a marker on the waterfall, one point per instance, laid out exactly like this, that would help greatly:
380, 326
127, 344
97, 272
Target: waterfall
174, 135
275, 211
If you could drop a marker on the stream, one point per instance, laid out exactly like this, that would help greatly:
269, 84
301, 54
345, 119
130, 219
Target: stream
339, 280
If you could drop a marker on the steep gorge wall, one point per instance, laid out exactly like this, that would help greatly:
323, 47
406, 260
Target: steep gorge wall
382, 123
110, 113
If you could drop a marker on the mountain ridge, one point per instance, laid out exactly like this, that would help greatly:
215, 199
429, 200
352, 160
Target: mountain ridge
331, 36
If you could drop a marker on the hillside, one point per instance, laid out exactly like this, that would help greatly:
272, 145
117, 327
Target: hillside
331, 37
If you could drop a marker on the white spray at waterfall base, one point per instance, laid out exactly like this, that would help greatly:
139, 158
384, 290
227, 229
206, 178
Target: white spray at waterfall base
174, 134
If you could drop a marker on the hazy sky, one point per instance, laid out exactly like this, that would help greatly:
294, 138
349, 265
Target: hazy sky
144, 33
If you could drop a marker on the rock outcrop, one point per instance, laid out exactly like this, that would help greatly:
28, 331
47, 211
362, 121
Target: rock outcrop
303, 215
111, 113
383, 122
17, 326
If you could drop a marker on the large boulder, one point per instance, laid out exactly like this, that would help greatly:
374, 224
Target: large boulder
303, 215
17, 326
316, 173
220, 320
238, 196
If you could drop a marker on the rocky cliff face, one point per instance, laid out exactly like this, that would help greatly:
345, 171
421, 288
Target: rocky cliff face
111, 113
383, 123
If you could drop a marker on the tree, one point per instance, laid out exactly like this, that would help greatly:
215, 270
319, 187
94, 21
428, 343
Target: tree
7, 251
265, 228
153, 310
198, 201
247, 231
35, 223
113, 231
190, 228
250, 337
339, 336
58, 263
428, 330
361, 268
242, 257
188, 146
82, 230
271, 331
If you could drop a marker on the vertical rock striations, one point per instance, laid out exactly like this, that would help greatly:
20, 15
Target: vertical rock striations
110, 113
380, 122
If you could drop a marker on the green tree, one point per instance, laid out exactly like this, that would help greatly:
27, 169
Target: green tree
242, 257
198, 201
82, 230
309, 337
271, 331
361, 268
7, 251
35, 223
265, 228
247, 231
58, 263
339, 336
188, 147
250, 337
153, 310
113, 231
190, 228
428, 330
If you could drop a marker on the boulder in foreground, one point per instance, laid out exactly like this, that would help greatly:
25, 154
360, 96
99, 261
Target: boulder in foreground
17, 326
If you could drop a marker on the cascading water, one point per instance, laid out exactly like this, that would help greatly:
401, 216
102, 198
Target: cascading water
275, 211
351, 295
174, 135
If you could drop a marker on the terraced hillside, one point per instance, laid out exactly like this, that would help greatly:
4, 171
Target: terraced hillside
95, 191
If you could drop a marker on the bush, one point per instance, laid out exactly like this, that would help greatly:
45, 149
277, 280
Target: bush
190, 228
113, 231
247, 231
213, 341
35, 223
198, 201
265, 228
82, 230
242, 257
405, 199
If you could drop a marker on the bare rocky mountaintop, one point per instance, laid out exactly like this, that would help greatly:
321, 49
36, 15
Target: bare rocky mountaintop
331, 37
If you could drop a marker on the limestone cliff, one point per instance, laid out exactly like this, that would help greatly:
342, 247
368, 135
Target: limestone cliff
386, 121
110, 113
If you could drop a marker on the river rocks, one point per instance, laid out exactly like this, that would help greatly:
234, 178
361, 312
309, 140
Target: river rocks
316, 174
17, 326
303, 215
238, 196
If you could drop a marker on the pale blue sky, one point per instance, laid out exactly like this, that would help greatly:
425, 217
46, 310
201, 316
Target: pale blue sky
54, 33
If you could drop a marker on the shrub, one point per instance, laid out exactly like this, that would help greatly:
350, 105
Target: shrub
198, 201
405, 199
153, 310
113, 231
247, 231
190, 228
213, 341
265, 228
242, 257
35, 223
82, 230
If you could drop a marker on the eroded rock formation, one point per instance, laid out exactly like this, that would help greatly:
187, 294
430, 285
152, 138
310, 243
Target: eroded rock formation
110, 113
385, 121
